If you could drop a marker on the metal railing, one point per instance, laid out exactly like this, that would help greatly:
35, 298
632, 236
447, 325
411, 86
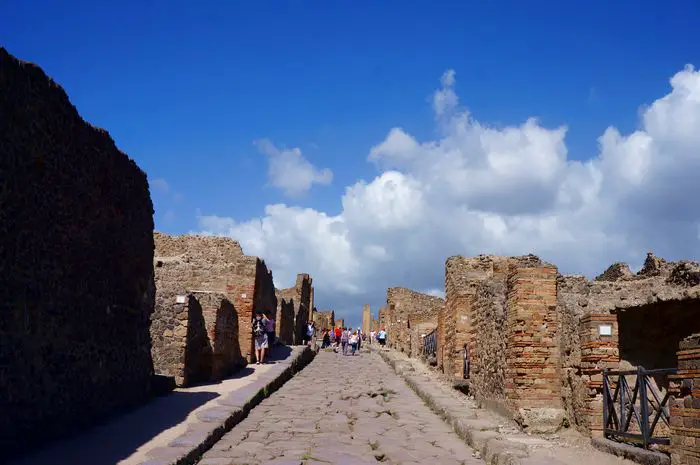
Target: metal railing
430, 343
623, 403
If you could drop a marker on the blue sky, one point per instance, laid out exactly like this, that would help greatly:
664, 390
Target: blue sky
186, 89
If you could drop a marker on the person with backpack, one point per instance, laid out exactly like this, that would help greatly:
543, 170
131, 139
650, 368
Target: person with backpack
260, 337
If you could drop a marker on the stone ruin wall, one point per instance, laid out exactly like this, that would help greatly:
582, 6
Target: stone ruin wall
502, 310
200, 264
298, 301
405, 306
202, 331
340, 323
325, 320
77, 278
284, 319
302, 309
366, 318
619, 297
382, 315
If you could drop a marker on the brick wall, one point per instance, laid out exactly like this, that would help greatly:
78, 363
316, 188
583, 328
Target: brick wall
685, 405
532, 355
298, 298
76, 273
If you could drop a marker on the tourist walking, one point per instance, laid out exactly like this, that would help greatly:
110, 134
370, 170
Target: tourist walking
344, 341
381, 337
372, 335
270, 331
338, 333
308, 333
354, 341
326, 338
260, 337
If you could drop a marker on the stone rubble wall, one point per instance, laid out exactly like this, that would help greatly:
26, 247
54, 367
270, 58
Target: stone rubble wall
340, 323
76, 225
299, 298
685, 405
192, 263
382, 317
302, 307
583, 306
325, 320
284, 319
406, 305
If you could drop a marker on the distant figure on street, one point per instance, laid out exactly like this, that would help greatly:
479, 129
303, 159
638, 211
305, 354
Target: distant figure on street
270, 331
326, 338
354, 341
308, 333
381, 337
372, 335
344, 341
338, 334
260, 337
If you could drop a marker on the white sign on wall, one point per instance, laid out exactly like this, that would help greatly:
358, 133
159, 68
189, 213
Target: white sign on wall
180, 299
243, 296
605, 330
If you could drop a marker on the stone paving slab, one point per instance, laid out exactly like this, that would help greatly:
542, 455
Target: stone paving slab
496, 442
179, 427
342, 410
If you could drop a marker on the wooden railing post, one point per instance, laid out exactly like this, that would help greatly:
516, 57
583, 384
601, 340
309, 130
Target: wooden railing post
644, 405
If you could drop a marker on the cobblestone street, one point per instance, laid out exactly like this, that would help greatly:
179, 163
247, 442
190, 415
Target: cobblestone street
342, 410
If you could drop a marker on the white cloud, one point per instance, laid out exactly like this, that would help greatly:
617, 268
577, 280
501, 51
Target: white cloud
290, 171
478, 189
159, 184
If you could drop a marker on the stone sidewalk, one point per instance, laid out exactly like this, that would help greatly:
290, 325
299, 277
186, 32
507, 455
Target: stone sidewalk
497, 439
177, 428
342, 410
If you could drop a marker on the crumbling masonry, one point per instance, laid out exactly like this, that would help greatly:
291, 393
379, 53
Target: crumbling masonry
410, 315
76, 277
532, 343
203, 285
294, 307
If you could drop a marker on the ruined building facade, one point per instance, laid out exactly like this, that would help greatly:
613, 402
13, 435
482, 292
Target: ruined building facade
294, 310
76, 276
206, 287
409, 315
325, 319
532, 343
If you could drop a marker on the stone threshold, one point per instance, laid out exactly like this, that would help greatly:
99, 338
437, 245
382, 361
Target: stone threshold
214, 422
627, 451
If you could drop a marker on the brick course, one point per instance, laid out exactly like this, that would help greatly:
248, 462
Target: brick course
685, 405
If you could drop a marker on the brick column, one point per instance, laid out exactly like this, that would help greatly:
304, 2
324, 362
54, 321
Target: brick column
685, 405
599, 350
532, 387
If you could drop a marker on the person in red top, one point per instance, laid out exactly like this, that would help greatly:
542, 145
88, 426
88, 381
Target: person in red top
338, 333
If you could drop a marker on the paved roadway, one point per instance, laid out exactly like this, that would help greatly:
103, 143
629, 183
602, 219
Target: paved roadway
342, 410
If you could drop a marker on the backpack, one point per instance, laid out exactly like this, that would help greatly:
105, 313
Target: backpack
258, 328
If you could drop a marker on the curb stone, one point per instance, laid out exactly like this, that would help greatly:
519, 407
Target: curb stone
480, 435
227, 412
